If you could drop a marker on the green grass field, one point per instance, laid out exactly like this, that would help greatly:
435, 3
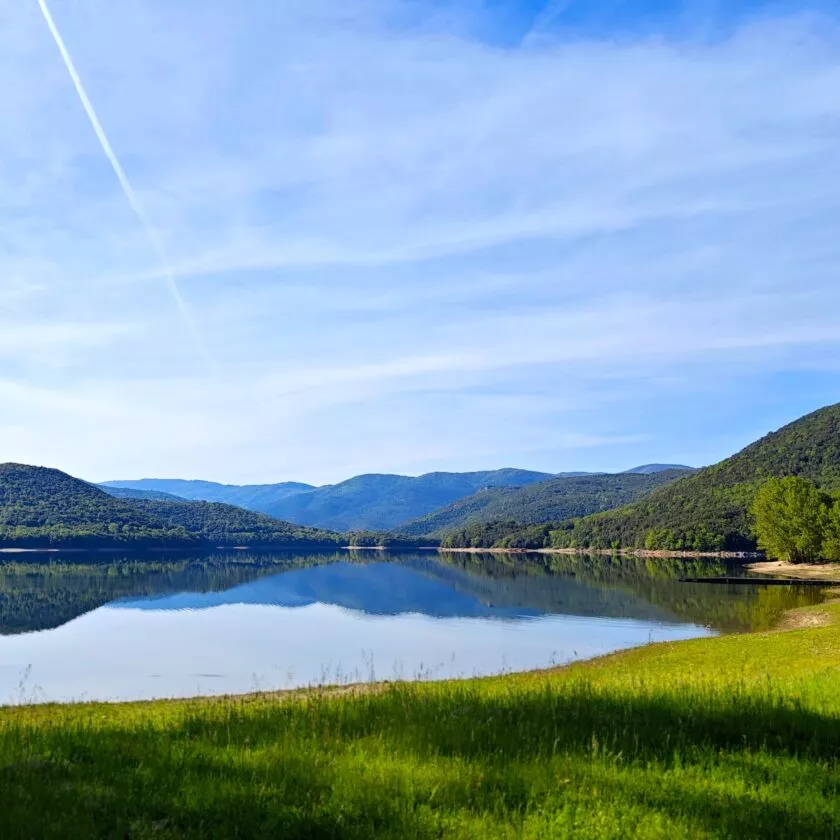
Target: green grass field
737, 736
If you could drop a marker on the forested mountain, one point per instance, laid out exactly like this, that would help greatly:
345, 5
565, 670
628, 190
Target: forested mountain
228, 525
42, 507
708, 510
381, 502
364, 503
259, 497
546, 501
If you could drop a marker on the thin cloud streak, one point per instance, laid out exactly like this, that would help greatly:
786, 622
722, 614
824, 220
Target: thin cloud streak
413, 248
136, 206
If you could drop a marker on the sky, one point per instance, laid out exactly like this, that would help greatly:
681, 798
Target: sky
415, 236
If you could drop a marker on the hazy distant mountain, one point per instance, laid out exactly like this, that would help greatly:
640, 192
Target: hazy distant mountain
556, 499
374, 502
650, 469
148, 495
381, 502
366, 502
259, 497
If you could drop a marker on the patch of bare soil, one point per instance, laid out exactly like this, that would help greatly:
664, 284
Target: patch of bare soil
804, 619
810, 571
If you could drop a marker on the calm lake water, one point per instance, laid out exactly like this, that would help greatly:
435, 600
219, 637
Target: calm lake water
94, 629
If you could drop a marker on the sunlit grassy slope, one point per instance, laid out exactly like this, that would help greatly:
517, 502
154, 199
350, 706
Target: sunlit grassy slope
737, 736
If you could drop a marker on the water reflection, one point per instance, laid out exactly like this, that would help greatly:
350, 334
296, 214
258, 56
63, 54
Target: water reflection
125, 629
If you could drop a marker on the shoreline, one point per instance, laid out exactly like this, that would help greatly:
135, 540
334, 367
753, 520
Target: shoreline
799, 618
829, 572
731, 736
134, 552
600, 552
609, 552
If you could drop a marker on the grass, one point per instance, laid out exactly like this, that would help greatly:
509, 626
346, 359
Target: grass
736, 736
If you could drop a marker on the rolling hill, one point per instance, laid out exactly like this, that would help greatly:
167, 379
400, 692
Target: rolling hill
708, 510
228, 525
546, 501
43, 508
46, 507
259, 497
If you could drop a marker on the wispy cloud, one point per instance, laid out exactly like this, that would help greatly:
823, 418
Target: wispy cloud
401, 234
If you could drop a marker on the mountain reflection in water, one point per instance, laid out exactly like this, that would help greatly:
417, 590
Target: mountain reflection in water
169, 628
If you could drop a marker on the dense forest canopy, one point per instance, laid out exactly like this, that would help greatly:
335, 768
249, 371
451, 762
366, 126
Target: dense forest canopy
41, 506
230, 525
795, 521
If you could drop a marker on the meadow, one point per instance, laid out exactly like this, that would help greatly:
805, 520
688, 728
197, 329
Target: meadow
736, 736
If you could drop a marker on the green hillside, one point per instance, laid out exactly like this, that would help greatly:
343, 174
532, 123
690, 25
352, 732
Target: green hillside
708, 510
546, 501
46, 507
228, 525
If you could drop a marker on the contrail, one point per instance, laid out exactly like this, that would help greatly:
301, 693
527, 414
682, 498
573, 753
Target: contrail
151, 233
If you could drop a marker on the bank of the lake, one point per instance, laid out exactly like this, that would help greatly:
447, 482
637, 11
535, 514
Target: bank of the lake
733, 736
803, 571
607, 552
142, 629
600, 552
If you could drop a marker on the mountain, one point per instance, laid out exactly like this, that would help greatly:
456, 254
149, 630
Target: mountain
651, 469
228, 525
41, 507
366, 502
382, 502
44, 507
127, 493
545, 501
259, 497
709, 509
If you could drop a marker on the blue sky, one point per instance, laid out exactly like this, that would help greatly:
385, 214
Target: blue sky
416, 236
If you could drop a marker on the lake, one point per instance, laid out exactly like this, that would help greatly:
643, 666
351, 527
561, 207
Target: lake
89, 628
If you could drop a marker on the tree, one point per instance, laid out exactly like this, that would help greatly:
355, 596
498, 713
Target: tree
831, 541
790, 517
